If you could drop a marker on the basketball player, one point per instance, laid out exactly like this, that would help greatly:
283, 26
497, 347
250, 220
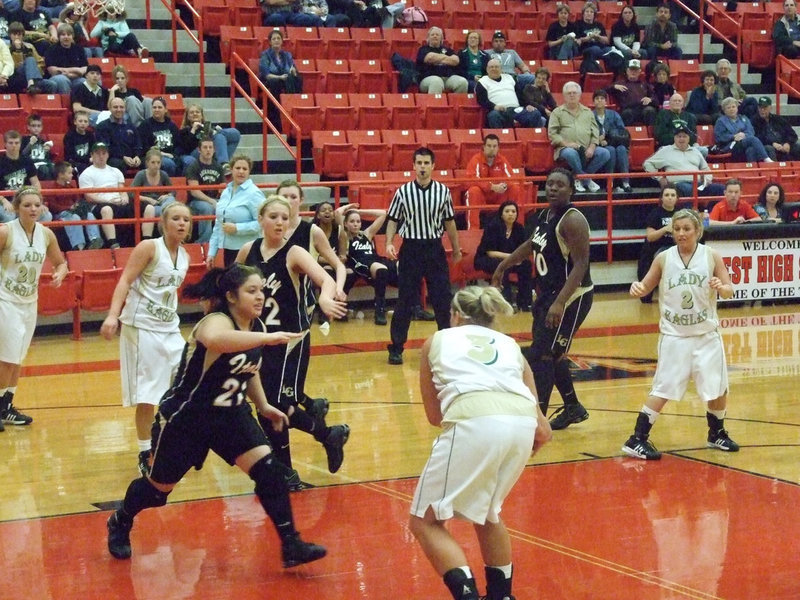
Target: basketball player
364, 261
206, 410
145, 300
24, 243
476, 385
287, 269
560, 249
689, 276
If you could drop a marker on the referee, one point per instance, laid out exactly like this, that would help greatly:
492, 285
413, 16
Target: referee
424, 209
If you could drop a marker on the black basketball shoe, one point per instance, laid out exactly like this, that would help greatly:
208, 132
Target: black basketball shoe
297, 552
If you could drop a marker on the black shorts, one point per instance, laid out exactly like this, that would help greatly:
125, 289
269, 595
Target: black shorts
556, 341
363, 270
120, 212
283, 373
184, 441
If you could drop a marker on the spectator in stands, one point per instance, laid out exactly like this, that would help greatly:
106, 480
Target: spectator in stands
161, 132
502, 235
66, 63
591, 34
661, 36
537, 94
561, 37
276, 69
39, 30
490, 164
115, 35
682, 156
137, 107
662, 88
16, 171
5, 21
703, 103
121, 137
658, 233
786, 31
438, 66
361, 13
575, 137
735, 131
663, 130
287, 12
90, 96
634, 96
625, 35
775, 132
473, 59
727, 88
77, 21
770, 203
204, 171
38, 147
319, 8
78, 142
107, 205
496, 92
614, 138
152, 176
195, 127
12, 79
733, 210
70, 207
29, 62
510, 61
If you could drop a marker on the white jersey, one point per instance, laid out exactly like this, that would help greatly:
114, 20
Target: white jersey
471, 358
688, 304
152, 301
21, 263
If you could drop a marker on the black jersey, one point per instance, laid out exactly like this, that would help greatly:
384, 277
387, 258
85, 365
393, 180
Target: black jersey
286, 299
361, 252
222, 384
551, 255
301, 236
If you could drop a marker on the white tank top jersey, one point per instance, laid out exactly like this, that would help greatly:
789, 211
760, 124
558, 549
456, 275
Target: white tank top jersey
21, 263
152, 301
471, 358
688, 304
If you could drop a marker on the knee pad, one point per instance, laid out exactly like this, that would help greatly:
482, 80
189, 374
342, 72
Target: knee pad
269, 475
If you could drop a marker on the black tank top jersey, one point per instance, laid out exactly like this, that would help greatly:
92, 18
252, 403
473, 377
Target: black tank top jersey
223, 384
286, 298
361, 252
551, 256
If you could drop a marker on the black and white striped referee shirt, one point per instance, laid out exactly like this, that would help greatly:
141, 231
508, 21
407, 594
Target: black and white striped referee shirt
421, 211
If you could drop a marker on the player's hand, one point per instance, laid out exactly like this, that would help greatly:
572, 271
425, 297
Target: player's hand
276, 338
58, 278
335, 309
279, 419
637, 289
457, 256
554, 315
390, 251
109, 327
715, 283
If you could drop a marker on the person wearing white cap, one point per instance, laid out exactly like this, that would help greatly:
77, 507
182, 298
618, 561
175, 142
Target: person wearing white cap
775, 132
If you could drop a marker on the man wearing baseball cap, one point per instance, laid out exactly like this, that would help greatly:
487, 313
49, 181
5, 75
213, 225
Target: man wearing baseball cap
635, 96
110, 204
775, 132
682, 156
510, 61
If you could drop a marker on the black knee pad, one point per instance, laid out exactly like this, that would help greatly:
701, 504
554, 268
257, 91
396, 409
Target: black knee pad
269, 476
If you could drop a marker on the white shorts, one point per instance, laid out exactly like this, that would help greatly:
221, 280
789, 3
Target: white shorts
17, 324
473, 466
680, 359
148, 361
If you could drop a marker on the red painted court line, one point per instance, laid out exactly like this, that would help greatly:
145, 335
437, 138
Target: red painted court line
325, 350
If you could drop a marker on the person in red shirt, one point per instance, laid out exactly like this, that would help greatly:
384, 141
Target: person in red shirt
732, 210
71, 207
490, 164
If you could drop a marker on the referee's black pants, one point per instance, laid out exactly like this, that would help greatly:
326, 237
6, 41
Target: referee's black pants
418, 259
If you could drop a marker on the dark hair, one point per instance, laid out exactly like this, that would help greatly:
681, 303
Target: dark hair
490, 136
502, 207
633, 10
762, 196
669, 186
733, 181
318, 208
566, 173
423, 151
62, 167
205, 138
708, 73
217, 282
95, 68
598, 93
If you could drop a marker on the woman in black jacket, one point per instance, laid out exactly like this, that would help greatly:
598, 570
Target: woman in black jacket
500, 238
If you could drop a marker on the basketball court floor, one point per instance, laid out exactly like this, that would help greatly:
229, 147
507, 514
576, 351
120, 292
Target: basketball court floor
586, 523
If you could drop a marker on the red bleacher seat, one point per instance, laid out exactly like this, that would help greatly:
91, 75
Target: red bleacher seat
338, 113
332, 154
403, 143
304, 42
495, 14
512, 148
303, 109
51, 108
372, 114
369, 197
247, 15
401, 40
371, 151
230, 34
469, 142
372, 76
538, 150
403, 110
313, 78
214, 13
369, 43
438, 140
339, 77
758, 48
438, 114
642, 146
464, 15
338, 43
469, 114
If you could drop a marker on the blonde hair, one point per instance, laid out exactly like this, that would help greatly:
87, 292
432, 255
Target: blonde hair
28, 190
272, 199
165, 212
480, 304
688, 213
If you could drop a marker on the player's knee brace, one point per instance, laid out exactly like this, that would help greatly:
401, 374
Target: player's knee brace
269, 476
142, 494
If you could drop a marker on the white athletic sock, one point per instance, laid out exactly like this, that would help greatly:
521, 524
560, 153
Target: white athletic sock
13, 390
652, 415
144, 445
506, 569
467, 571
720, 414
